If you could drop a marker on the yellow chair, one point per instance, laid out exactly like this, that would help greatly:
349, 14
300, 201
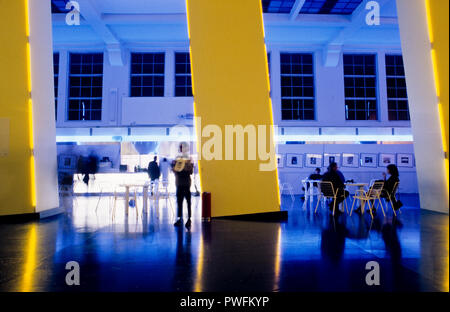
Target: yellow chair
374, 194
327, 191
390, 196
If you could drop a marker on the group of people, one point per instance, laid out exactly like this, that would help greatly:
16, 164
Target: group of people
183, 168
337, 179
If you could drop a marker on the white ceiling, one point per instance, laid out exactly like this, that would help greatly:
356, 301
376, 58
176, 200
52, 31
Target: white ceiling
140, 6
153, 22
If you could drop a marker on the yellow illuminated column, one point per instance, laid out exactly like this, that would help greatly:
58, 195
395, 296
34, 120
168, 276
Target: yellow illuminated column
438, 24
231, 88
17, 187
424, 37
28, 172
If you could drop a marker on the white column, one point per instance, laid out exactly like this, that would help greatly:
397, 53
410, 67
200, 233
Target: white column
275, 84
169, 73
43, 99
62, 86
382, 88
423, 105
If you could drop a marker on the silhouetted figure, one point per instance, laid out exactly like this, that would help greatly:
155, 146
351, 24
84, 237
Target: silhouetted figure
92, 166
153, 169
336, 178
183, 168
87, 166
154, 173
389, 185
164, 168
314, 176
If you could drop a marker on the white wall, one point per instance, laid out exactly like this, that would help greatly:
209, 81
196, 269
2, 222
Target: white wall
408, 177
155, 110
101, 150
121, 110
329, 89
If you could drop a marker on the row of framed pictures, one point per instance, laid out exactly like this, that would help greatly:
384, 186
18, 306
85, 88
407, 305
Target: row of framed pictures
350, 160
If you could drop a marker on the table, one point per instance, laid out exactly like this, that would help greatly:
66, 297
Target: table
127, 187
360, 187
311, 183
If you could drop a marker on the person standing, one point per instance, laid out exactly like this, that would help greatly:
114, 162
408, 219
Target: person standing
154, 173
183, 168
164, 168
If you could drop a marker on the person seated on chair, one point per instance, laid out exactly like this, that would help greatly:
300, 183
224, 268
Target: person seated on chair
388, 188
389, 184
336, 178
314, 176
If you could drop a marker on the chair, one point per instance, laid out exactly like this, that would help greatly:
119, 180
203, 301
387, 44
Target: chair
164, 185
67, 190
105, 190
374, 194
391, 196
310, 188
288, 186
327, 191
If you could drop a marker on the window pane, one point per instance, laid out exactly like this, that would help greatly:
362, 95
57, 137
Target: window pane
396, 88
360, 87
297, 86
85, 86
147, 73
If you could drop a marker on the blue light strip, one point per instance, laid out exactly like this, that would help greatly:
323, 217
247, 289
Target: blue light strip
278, 138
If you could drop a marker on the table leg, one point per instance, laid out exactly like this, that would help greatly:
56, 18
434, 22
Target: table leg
145, 198
127, 199
362, 203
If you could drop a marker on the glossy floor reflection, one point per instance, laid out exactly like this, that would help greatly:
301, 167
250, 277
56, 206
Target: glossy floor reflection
144, 252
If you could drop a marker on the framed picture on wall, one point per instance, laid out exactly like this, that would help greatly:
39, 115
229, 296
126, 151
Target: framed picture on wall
67, 162
280, 162
330, 158
368, 160
386, 159
350, 160
294, 160
405, 160
313, 160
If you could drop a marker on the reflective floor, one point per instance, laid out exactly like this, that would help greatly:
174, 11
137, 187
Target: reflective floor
144, 252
